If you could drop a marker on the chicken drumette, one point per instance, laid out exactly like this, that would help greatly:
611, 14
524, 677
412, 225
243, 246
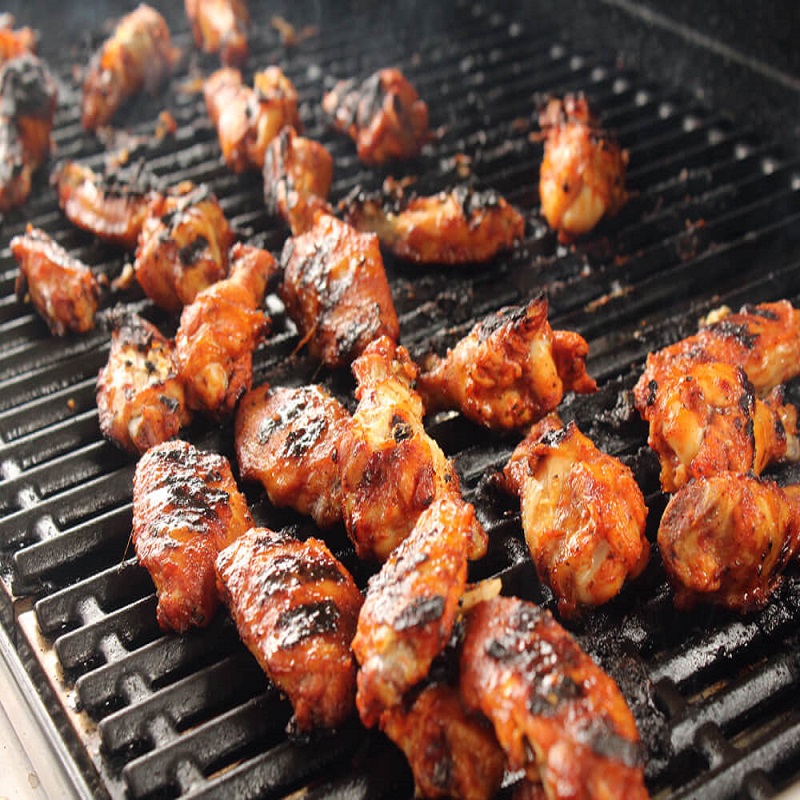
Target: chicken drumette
220, 26
14, 43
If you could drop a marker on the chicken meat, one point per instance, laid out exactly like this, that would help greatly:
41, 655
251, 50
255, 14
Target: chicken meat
220, 26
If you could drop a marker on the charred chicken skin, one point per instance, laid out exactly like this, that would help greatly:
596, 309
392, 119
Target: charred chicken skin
510, 370
186, 508
14, 43
63, 290
582, 177
246, 119
297, 179
411, 605
295, 607
383, 115
460, 226
725, 539
582, 513
287, 439
220, 26
140, 398
558, 716
336, 291
183, 247
138, 56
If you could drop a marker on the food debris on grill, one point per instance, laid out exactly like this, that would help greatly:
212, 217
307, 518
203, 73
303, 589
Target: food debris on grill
221, 26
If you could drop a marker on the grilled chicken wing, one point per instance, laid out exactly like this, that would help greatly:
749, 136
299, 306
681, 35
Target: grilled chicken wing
297, 179
183, 247
296, 608
63, 290
582, 177
336, 291
246, 119
452, 753
186, 508
287, 439
14, 43
220, 330
139, 55
411, 605
510, 370
220, 26
459, 226
383, 115
140, 398
726, 538
557, 715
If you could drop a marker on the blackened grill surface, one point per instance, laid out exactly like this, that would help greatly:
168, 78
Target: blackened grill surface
714, 218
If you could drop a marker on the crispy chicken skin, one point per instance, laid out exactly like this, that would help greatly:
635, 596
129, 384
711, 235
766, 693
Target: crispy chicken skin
140, 398
582, 513
295, 607
219, 331
246, 119
582, 177
459, 226
138, 56
452, 753
336, 291
383, 115
186, 508
287, 439
220, 26
510, 370
183, 247
557, 715
63, 290
726, 538
297, 179
14, 43
411, 605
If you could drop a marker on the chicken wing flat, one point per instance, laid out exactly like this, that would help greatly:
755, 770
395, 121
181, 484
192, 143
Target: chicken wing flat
183, 247
297, 179
510, 370
63, 290
557, 715
459, 226
295, 607
219, 331
383, 115
287, 439
726, 539
186, 508
220, 26
452, 753
411, 605
336, 291
140, 397
246, 119
14, 43
582, 177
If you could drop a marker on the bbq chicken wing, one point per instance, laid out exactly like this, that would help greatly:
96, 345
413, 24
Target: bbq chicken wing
63, 290
297, 179
183, 247
411, 605
459, 226
582, 177
288, 439
383, 115
140, 398
138, 56
725, 539
14, 43
220, 26
295, 607
336, 291
246, 119
558, 716
510, 370
186, 508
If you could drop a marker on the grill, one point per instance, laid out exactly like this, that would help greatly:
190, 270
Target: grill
714, 218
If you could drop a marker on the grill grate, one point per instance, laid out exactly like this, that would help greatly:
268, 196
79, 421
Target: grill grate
714, 217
